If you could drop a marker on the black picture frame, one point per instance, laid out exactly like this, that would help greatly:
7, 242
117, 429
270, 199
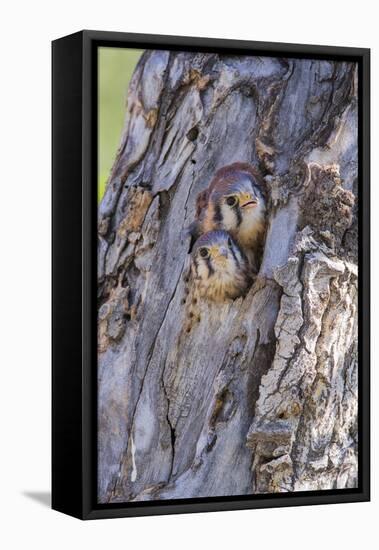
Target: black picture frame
74, 150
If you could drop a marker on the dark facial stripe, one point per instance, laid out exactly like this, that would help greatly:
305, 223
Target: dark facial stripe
210, 267
217, 216
239, 215
243, 255
235, 255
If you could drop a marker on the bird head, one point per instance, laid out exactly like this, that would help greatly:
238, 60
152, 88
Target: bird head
236, 196
215, 254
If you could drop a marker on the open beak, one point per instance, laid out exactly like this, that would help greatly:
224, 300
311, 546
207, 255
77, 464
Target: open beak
247, 201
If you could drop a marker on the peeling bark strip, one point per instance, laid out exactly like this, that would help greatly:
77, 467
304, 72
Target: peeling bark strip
261, 394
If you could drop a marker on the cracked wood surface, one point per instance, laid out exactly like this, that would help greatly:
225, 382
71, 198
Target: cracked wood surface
251, 396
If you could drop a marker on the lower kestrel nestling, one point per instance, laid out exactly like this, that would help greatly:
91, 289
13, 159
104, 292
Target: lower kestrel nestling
218, 267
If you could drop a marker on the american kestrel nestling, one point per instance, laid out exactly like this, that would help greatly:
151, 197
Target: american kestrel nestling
218, 267
234, 201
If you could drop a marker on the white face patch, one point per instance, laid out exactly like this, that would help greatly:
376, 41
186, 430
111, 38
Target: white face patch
229, 217
202, 269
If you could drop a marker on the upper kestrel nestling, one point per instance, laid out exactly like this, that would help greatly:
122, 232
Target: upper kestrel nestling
234, 201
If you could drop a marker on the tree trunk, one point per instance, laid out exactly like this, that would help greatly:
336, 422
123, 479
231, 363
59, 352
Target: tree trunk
261, 395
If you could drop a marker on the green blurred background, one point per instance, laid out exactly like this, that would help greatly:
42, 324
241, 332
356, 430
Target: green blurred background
115, 68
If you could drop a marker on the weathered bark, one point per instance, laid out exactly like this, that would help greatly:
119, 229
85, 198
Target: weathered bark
261, 394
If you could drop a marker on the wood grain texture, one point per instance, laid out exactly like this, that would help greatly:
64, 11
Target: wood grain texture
251, 396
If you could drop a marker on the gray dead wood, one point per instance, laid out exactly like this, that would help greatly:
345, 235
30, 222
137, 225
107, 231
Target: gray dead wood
261, 394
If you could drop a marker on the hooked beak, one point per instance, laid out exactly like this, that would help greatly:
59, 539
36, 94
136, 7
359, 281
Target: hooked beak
247, 201
222, 255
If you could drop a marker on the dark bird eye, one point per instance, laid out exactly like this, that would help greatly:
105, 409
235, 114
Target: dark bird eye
204, 252
231, 201
230, 244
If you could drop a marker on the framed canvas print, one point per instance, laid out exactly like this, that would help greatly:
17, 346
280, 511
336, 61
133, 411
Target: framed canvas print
210, 274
